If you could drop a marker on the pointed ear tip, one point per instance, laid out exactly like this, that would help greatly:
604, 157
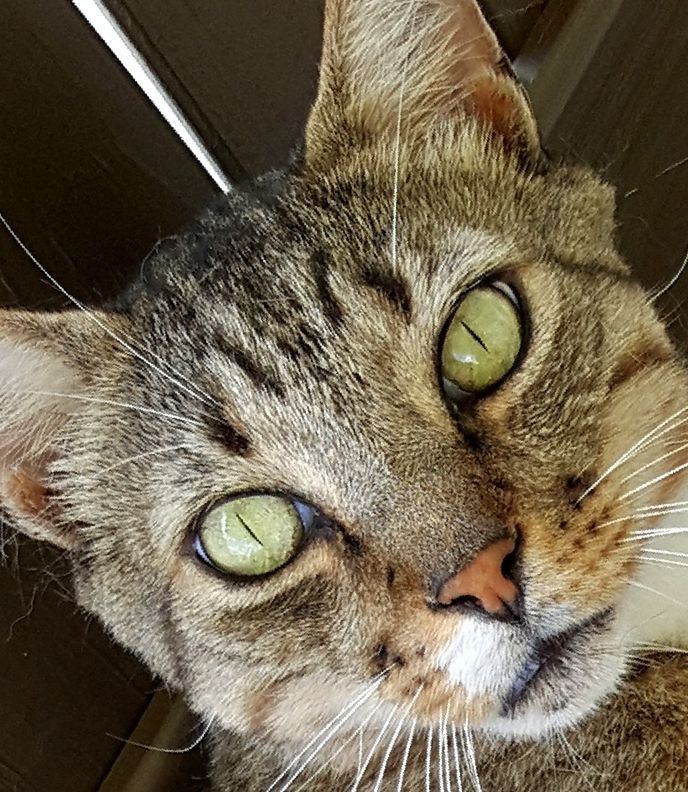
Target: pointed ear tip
363, 81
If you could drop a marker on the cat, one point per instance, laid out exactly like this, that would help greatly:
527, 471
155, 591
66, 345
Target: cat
382, 462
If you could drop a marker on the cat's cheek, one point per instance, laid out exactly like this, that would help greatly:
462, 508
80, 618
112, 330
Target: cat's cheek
198, 583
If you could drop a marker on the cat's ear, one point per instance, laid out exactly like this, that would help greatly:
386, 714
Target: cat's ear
391, 63
43, 364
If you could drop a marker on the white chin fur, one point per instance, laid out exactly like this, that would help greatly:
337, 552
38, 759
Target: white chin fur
535, 723
484, 659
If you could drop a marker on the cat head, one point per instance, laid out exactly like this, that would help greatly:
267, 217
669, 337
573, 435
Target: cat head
374, 435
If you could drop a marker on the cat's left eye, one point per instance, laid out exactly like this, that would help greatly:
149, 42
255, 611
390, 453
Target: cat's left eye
482, 341
252, 535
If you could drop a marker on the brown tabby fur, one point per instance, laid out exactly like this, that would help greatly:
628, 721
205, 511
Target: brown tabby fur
288, 342
621, 748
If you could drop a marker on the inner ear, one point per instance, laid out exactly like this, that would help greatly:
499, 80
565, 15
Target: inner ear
41, 371
420, 60
30, 500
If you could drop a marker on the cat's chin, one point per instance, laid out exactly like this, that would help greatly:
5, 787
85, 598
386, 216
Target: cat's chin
539, 685
558, 698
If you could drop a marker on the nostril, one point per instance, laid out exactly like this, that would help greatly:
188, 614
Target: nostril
509, 565
468, 603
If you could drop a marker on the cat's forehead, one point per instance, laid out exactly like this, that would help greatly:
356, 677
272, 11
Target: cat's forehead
321, 294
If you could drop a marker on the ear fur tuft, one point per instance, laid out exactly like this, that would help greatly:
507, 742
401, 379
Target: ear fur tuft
420, 61
39, 372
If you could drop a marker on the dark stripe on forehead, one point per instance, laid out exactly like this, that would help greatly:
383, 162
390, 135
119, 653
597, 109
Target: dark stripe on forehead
255, 370
619, 274
393, 288
636, 359
321, 275
221, 431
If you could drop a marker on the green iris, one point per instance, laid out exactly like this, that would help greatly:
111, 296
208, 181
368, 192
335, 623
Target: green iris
250, 536
482, 342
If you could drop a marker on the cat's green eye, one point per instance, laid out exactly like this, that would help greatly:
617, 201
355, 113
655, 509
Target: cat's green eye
252, 535
482, 341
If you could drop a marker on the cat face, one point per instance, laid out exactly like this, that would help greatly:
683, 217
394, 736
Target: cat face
449, 555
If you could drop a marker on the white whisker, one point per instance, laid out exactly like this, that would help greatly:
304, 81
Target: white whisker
577, 761
656, 506
393, 741
654, 462
112, 403
428, 760
653, 533
668, 286
470, 756
674, 553
445, 748
457, 760
124, 462
666, 562
440, 755
672, 167
326, 733
376, 745
358, 734
652, 435
657, 593
407, 753
654, 481
647, 515
171, 751
196, 393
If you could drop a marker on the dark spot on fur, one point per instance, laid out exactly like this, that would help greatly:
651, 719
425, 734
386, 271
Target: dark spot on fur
255, 371
330, 305
308, 342
393, 288
420, 652
288, 350
578, 543
227, 435
563, 525
391, 575
381, 656
576, 486
573, 483
472, 439
353, 543
636, 361
384, 660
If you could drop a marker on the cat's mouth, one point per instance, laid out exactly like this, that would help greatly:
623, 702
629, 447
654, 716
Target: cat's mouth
548, 666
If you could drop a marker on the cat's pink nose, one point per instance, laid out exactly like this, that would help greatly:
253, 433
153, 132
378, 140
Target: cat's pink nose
483, 584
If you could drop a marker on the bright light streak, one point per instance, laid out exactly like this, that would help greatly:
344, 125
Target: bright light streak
109, 30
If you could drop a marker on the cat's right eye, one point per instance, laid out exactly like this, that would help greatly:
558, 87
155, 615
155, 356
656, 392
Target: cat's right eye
252, 535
